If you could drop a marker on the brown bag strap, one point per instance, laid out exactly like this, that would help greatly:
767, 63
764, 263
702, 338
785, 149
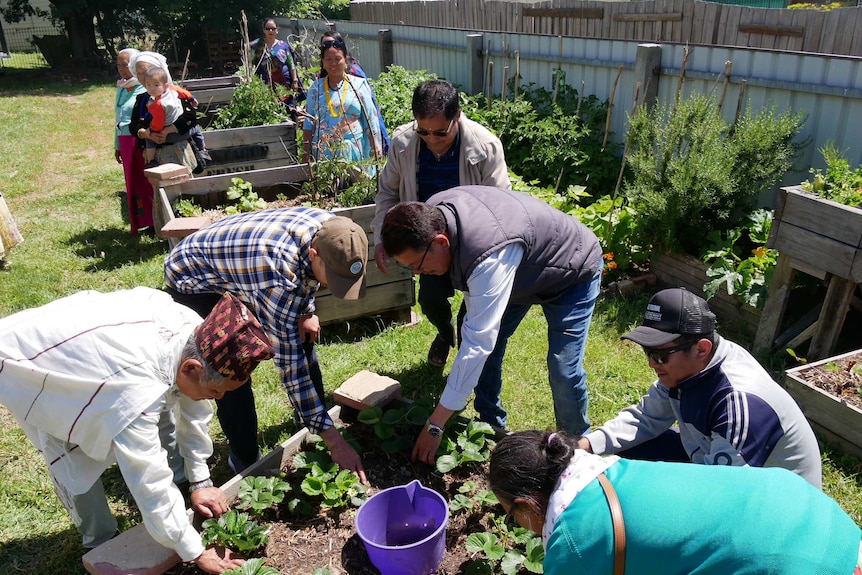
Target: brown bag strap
619, 526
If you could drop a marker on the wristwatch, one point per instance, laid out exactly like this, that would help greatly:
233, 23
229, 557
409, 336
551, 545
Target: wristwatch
433, 430
208, 482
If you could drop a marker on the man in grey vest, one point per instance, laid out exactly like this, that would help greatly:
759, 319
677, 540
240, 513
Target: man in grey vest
506, 251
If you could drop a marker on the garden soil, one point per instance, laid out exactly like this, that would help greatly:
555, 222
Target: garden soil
841, 378
298, 546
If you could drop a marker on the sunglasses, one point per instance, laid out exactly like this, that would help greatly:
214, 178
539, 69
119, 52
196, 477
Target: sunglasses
338, 44
439, 133
416, 268
661, 356
270, 28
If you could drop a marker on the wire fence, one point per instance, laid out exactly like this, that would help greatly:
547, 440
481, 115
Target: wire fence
20, 50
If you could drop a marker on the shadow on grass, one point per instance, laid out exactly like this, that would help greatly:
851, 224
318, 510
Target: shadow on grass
112, 248
48, 82
59, 552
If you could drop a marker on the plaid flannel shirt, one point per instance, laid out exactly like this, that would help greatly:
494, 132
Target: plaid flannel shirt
262, 258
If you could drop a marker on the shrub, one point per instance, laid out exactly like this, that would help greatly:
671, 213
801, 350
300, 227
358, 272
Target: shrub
394, 92
692, 172
554, 141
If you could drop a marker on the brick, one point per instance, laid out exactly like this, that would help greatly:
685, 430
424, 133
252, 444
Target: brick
168, 175
132, 552
366, 389
181, 227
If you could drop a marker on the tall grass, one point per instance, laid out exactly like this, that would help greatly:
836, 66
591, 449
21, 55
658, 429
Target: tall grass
58, 174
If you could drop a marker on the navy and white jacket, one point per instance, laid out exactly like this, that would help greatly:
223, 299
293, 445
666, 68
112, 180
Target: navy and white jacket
731, 413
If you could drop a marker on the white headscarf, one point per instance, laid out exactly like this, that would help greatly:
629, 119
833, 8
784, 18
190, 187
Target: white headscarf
152, 58
128, 83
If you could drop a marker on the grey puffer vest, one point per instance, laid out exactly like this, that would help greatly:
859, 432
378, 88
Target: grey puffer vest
559, 251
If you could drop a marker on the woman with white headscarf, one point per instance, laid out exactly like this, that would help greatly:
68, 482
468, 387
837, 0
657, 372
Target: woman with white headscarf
174, 140
139, 192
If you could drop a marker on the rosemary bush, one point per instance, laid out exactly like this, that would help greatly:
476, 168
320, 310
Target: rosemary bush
692, 172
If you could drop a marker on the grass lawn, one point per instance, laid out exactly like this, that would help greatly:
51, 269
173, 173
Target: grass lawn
58, 174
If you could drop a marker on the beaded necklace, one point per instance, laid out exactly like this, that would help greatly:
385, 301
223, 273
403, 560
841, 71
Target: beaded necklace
332, 111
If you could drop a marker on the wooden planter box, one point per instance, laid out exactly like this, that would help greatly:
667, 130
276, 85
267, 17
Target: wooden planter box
134, 551
819, 233
824, 239
212, 95
254, 148
393, 293
839, 422
682, 270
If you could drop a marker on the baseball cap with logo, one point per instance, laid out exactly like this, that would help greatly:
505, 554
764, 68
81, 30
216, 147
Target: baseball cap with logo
343, 247
671, 314
232, 340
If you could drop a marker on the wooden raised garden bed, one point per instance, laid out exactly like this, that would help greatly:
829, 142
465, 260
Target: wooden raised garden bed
212, 95
822, 238
828, 393
392, 294
299, 542
682, 270
254, 148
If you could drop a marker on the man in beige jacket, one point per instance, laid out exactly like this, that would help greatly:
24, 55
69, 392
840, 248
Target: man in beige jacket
439, 150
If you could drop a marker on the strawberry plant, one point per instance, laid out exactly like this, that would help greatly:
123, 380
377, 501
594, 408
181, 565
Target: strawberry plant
255, 566
390, 426
505, 549
468, 498
471, 444
260, 493
235, 530
336, 488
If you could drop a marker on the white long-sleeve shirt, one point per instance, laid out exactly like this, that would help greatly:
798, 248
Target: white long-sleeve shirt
87, 377
490, 286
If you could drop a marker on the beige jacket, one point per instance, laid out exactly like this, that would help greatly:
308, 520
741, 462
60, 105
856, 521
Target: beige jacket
481, 164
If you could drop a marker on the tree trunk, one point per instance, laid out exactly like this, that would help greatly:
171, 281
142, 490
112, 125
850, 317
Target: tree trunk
82, 37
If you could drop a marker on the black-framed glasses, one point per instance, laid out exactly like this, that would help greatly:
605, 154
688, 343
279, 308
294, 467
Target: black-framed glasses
338, 44
271, 28
661, 356
418, 267
439, 133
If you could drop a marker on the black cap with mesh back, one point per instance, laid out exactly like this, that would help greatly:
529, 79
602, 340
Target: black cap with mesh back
670, 315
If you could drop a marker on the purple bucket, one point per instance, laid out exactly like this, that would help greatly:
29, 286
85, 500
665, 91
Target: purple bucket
404, 529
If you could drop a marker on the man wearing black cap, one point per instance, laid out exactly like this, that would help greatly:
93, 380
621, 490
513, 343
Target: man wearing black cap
729, 410
274, 261
89, 377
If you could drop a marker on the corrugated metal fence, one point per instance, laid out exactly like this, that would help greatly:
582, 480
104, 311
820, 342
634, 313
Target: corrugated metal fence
827, 88
835, 32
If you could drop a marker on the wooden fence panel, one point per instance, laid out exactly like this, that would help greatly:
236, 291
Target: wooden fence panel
693, 21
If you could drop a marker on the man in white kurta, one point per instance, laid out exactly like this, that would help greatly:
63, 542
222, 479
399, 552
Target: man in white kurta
87, 377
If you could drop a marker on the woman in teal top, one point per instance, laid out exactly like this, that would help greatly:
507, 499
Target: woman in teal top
678, 518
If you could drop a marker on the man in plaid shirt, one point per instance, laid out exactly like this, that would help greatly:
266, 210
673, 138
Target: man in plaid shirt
274, 261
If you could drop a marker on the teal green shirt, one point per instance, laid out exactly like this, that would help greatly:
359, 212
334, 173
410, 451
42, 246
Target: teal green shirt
683, 519
125, 105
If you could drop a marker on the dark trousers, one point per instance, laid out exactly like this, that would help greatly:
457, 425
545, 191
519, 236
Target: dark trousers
235, 410
665, 447
434, 294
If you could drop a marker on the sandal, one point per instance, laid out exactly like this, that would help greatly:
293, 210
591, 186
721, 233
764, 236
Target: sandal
439, 352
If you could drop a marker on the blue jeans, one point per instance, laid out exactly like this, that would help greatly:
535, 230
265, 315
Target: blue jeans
568, 320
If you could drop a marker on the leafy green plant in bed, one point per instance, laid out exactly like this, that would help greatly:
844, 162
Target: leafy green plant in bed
839, 182
470, 498
743, 271
254, 566
470, 444
253, 104
246, 198
260, 493
235, 530
505, 549
187, 208
392, 427
324, 483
